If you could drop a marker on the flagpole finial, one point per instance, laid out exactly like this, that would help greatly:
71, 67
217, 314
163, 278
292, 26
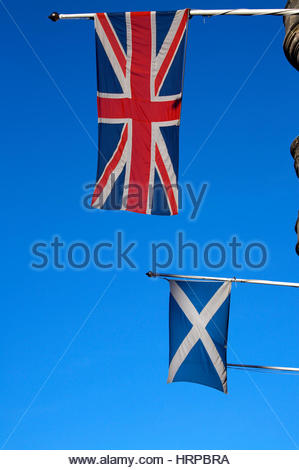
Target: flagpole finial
54, 16
150, 274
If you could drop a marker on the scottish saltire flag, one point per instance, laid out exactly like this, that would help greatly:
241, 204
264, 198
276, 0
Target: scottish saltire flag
198, 320
140, 62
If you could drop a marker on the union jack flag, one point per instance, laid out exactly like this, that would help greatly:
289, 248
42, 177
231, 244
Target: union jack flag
140, 63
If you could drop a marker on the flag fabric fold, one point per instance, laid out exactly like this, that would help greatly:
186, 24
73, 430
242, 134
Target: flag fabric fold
198, 330
140, 63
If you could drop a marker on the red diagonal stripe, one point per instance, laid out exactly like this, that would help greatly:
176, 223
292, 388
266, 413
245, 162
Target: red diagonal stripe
111, 165
166, 182
113, 41
171, 52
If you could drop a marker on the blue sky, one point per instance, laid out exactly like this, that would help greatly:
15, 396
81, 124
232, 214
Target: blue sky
85, 352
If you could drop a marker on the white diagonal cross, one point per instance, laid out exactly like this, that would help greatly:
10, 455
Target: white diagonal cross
198, 330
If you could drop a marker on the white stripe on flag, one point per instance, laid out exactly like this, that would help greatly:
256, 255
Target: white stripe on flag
110, 52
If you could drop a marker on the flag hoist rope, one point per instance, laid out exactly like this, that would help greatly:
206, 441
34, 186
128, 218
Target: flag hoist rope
233, 279
236, 12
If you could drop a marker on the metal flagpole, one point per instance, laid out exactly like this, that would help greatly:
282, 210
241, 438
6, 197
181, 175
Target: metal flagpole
280, 369
246, 12
236, 12
232, 279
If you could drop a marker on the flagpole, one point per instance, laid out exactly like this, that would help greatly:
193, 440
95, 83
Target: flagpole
246, 12
231, 279
281, 369
236, 12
